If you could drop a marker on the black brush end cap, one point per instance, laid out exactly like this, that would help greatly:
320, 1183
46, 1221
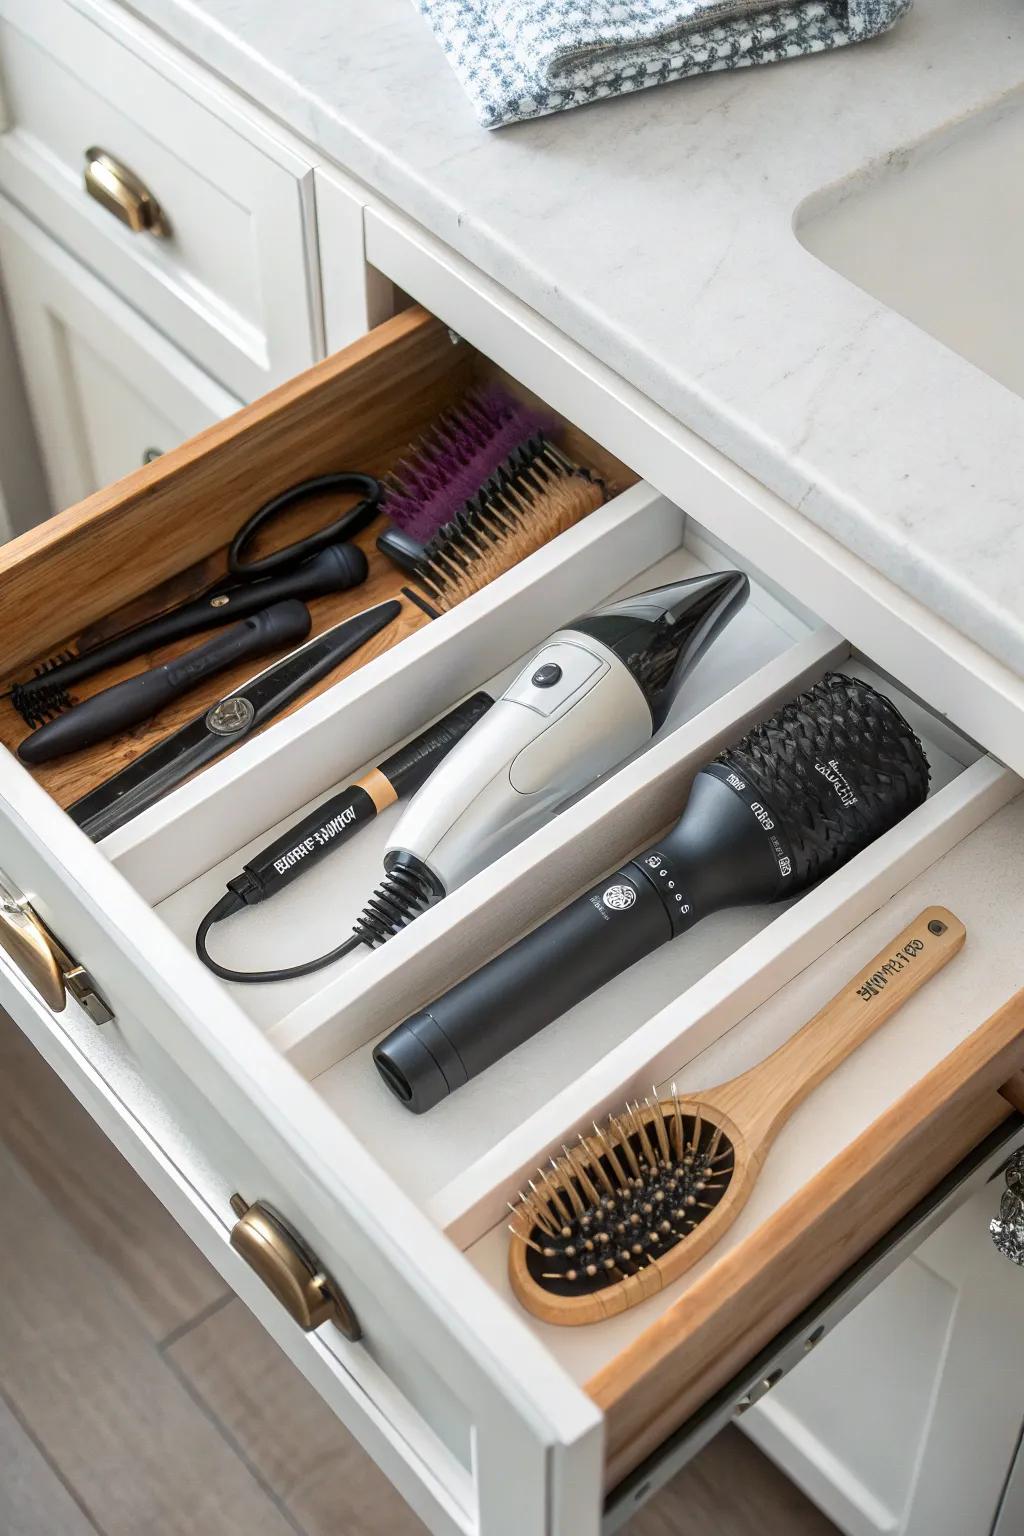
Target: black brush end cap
414, 1061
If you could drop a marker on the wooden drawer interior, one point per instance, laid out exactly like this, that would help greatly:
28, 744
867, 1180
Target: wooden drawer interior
159, 536
861, 1149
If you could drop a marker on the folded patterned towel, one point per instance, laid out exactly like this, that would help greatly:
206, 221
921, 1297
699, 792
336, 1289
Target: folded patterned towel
524, 58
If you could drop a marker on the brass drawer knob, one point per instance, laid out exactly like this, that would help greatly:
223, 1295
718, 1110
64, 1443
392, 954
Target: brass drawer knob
271, 1247
120, 191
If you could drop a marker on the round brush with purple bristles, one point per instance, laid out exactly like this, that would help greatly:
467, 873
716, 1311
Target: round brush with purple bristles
447, 467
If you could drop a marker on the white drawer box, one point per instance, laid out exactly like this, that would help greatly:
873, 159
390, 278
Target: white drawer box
231, 281
487, 1420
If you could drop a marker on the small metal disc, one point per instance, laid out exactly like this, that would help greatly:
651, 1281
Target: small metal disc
230, 716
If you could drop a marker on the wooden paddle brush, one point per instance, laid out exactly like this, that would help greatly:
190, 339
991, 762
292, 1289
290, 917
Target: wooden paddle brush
629, 1209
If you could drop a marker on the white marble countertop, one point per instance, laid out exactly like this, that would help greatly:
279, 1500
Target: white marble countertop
657, 231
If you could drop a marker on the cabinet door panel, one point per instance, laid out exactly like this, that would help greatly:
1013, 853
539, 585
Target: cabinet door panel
881, 1426
106, 390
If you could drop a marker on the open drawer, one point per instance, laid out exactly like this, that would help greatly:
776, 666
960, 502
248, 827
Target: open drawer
486, 1420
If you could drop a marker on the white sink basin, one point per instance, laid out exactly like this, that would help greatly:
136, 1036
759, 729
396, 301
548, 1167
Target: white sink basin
936, 232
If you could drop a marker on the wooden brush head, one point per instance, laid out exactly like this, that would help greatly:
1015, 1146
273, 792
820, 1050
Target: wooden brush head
625, 1211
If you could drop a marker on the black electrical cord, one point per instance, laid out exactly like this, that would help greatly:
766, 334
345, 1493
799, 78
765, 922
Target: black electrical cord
404, 891
226, 907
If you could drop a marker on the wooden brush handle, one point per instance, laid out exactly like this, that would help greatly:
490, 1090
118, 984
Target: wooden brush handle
761, 1100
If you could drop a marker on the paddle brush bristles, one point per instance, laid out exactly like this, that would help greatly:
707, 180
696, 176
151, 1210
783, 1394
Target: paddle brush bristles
537, 496
458, 455
623, 1198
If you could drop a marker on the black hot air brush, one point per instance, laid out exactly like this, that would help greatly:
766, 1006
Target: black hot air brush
793, 801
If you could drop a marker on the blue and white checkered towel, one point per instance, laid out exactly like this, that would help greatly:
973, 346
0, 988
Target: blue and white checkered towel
524, 58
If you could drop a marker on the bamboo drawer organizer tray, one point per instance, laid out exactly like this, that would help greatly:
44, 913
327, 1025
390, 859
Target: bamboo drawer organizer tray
857, 1154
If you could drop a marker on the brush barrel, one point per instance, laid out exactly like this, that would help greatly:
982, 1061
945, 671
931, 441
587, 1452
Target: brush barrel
479, 1021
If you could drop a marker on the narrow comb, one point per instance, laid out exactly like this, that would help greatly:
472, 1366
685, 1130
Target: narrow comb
458, 455
629, 1209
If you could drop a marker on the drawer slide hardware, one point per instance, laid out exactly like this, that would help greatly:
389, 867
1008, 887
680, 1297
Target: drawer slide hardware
1007, 1228
272, 1248
44, 962
120, 191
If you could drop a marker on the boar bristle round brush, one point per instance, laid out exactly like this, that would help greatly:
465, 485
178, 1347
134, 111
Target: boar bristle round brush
459, 454
629, 1209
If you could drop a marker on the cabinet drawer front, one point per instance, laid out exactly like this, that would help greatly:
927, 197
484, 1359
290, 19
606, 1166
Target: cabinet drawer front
497, 1423
229, 279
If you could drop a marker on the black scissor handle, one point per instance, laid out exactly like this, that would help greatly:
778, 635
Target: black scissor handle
344, 527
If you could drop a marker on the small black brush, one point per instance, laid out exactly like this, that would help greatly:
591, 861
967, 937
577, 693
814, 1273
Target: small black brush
139, 698
334, 569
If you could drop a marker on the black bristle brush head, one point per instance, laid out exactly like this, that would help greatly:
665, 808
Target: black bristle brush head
838, 766
38, 700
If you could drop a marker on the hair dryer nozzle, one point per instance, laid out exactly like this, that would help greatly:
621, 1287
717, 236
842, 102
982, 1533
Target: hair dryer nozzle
660, 635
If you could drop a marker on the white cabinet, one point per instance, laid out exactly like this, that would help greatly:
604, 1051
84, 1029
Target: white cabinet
106, 390
907, 1418
489, 1423
1011, 1510
231, 277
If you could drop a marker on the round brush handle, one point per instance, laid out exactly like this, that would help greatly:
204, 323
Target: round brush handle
524, 989
137, 698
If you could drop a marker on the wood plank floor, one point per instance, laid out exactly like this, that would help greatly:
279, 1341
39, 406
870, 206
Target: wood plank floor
139, 1398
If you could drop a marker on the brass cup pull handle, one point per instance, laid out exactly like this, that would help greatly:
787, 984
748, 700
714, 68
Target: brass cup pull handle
120, 191
275, 1251
43, 960
28, 946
